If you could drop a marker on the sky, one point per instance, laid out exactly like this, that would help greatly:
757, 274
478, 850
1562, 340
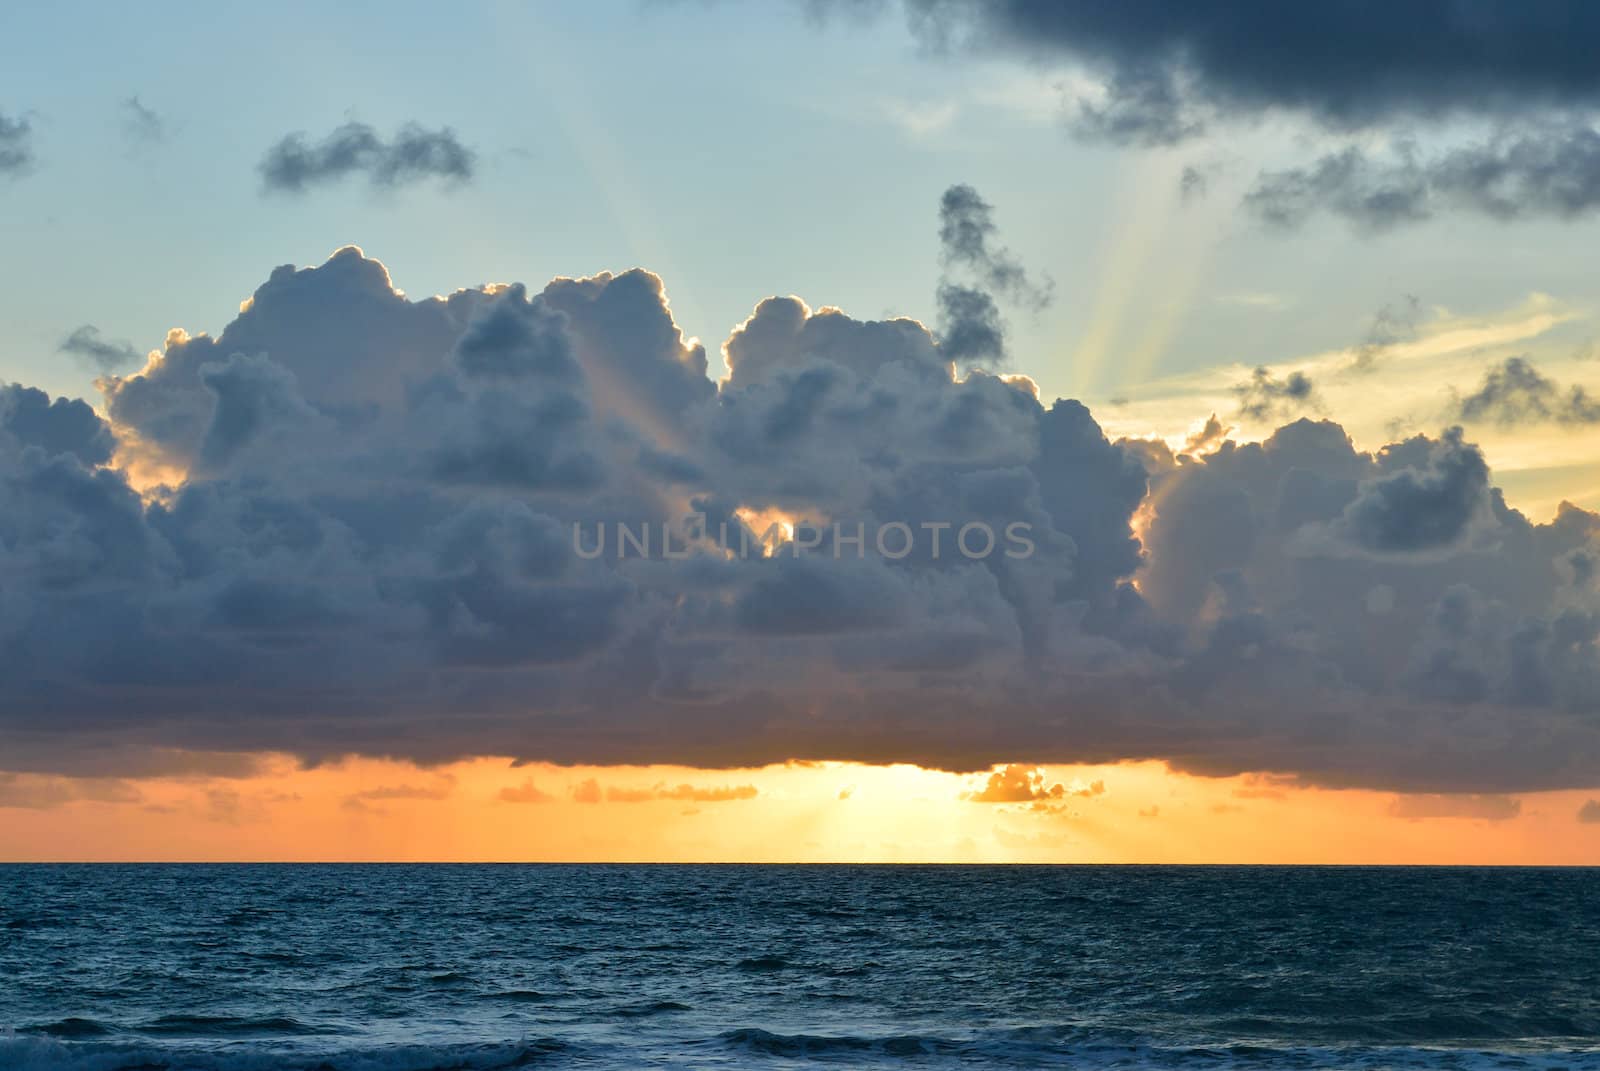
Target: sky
329, 331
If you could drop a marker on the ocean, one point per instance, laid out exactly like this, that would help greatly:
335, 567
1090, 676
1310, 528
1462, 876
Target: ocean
411, 967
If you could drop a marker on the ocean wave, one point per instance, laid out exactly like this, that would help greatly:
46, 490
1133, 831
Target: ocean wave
208, 1026
645, 1009
49, 1054
793, 1046
1033, 1047
70, 1027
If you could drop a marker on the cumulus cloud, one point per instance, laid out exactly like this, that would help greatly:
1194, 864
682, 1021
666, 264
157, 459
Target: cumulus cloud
1427, 504
1016, 783
1552, 172
1515, 392
1168, 69
414, 154
363, 543
29, 418
16, 145
88, 345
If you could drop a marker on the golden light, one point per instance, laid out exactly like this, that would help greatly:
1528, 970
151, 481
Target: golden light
772, 527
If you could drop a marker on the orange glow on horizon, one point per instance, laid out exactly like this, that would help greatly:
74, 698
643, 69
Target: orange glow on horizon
492, 810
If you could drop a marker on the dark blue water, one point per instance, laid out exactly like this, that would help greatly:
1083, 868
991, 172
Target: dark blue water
383, 968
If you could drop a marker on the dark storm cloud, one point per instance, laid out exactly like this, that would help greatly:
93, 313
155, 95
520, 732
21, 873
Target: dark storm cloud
16, 145
1515, 392
978, 271
1552, 172
1169, 66
415, 153
366, 546
1163, 72
102, 354
1265, 397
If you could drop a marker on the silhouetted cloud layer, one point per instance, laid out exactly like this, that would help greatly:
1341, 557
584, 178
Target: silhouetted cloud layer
415, 153
365, 544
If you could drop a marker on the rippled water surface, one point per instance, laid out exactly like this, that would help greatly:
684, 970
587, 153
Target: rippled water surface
392, 968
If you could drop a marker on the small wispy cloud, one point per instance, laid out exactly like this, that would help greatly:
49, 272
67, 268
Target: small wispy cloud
105, 355
295, 164
16, 145
141, 124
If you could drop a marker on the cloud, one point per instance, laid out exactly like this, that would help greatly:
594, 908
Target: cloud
86, 344
1391, 325
1550, 171
1168, 70
141, 124
1265, 397
440, 789
1161, 72
591, 791
527, 792
34, 792
682, 793
29, 418
364, 545
1210, 434
1589, 813
1016, 783
16, 145
1515, 392
967, 234
1489, 808
1193, 184
977, 270
294, 165
1420, 507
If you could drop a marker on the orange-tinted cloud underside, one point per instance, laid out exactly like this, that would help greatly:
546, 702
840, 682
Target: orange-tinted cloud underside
486, 809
